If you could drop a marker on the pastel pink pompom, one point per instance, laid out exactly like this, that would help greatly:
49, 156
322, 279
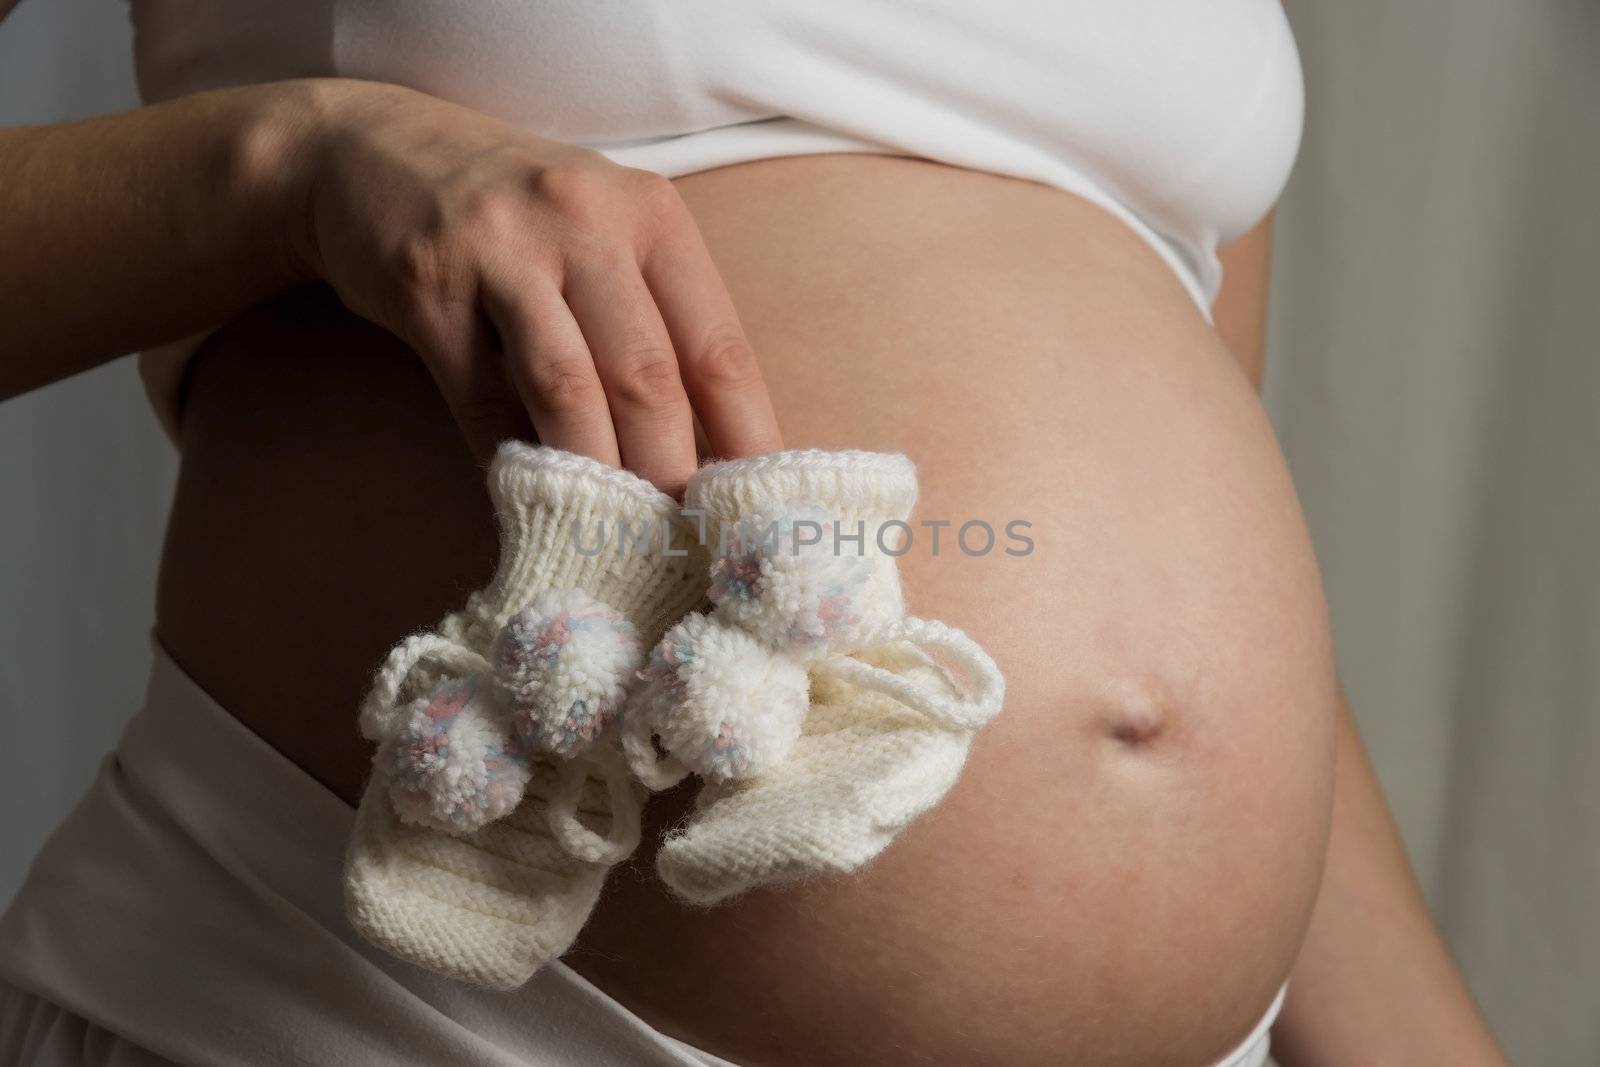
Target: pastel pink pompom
451, 763
564, 663
719, 702
790, 581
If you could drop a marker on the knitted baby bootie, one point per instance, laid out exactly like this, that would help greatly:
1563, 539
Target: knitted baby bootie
821, 718
499, 797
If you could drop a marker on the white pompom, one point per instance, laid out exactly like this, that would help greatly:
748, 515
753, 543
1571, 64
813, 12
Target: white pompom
720, 703
788, 579
564, 663
450, 762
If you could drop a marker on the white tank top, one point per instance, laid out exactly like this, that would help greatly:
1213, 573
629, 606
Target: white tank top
1180, 118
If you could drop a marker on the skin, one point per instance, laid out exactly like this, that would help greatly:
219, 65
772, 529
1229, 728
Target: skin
1121, 795
1175, 773
1173, 715
539, 283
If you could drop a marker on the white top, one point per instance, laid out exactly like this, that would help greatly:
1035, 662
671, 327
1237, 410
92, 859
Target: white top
189, 911
1182, 119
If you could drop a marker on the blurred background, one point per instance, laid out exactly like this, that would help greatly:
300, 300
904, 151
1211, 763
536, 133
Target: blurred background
1434, 375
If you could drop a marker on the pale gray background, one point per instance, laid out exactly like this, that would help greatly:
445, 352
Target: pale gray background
1435, 377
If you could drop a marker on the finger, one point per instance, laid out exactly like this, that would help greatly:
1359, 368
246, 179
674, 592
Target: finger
638, 369
719, 367
551, 368
460, 350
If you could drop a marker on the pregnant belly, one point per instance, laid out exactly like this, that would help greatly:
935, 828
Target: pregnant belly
1125, 869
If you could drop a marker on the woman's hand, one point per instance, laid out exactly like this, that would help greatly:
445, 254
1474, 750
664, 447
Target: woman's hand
537, 281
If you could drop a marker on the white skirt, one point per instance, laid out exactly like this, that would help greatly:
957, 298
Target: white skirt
189, 911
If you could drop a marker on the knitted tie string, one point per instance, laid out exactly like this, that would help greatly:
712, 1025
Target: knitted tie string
981, 696
980, 693
657, 771
431, 651
622, 837
381, 706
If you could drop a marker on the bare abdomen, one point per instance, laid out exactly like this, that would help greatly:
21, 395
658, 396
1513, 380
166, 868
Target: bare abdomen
1125, 870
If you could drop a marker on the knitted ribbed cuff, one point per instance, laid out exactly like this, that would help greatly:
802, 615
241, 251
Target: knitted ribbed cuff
853, 485
868, 494
569, 522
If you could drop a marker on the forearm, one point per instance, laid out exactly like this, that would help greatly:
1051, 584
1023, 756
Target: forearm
1374, 982
138, 228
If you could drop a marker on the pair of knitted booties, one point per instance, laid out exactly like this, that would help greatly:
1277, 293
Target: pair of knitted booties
517, 743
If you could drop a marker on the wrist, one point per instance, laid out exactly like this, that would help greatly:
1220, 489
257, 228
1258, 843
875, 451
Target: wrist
273, 154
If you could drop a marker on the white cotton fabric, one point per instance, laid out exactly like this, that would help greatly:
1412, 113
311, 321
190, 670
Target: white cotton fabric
1180, 119
188, 911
